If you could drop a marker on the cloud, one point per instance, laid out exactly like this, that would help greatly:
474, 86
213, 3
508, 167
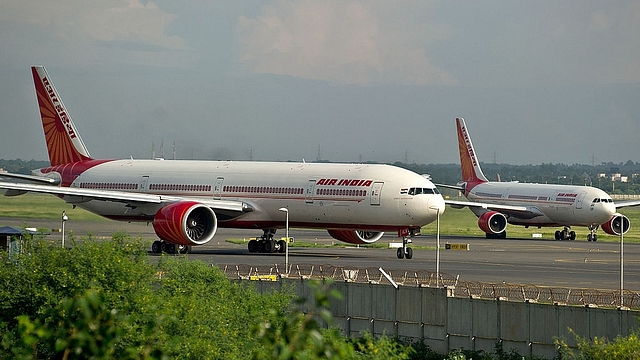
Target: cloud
341, 42
79, 26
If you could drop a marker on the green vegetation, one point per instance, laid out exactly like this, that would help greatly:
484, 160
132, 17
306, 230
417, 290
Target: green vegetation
106, 300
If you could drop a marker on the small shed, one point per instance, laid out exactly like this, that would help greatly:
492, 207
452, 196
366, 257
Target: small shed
11, 238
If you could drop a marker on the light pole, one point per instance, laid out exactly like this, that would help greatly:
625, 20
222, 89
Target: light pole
286, 249
64, 220
437, 209
622, 263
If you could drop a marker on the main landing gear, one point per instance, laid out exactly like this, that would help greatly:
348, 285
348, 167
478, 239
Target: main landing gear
266, 243
160, 246
565, 234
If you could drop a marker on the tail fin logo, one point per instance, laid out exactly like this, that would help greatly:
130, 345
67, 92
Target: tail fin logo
469, 165
64, 144
59, 108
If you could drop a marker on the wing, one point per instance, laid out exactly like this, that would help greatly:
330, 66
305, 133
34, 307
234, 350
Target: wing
78, 195
626, 203
28, 178
523, 212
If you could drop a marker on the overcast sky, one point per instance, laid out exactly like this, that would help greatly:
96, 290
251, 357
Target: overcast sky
536, 81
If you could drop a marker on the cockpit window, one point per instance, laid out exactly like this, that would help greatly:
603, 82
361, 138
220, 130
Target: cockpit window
417, 191
604, 200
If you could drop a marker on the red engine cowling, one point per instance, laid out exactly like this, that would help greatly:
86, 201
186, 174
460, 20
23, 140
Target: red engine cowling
615, 224
356, 236
492, 222
185, 223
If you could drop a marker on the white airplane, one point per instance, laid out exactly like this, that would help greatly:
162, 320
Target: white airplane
188, 200
498, 203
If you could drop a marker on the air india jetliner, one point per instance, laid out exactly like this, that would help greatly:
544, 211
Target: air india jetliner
186, 200
498, 203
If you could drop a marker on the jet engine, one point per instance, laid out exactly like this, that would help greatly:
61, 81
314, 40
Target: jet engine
615, 224
492, 222
185, 223
356, 236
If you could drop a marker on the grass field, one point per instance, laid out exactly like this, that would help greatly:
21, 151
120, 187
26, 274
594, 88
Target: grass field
453, 222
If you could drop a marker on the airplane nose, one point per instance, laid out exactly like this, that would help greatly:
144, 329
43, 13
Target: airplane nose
436, 206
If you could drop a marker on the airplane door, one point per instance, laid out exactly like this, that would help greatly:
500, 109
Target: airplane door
308, 194
376, 189
579, 200
144, 183
217, 188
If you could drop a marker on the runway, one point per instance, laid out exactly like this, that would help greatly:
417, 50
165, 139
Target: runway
568, 264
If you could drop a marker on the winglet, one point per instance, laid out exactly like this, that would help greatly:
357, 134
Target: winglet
469, 164
63, 141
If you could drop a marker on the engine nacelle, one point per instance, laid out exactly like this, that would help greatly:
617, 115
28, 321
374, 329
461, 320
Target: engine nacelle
356, 236
615, 224
185, 223
492, 222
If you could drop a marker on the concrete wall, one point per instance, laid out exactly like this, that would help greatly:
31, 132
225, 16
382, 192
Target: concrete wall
447, 322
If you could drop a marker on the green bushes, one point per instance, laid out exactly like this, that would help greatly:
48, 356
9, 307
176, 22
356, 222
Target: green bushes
105, 300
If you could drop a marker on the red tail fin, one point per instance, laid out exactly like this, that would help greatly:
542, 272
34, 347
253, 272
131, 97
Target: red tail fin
471, 171
63, 141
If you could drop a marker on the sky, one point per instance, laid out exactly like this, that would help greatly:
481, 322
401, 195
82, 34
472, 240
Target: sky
345, 81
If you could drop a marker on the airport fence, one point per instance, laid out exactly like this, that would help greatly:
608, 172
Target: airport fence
424, 278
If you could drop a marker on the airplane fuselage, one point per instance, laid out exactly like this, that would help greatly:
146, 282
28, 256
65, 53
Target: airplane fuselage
317, 195
550, 205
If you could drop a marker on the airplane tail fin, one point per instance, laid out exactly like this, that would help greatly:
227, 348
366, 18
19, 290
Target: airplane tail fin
63, 140
469, 164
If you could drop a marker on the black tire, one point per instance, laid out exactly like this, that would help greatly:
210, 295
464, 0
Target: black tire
595, 237
261, 246
409, 253
156, 247
558, 235
400, 253
170, 248
283, 246
572, 235
252, 246
268, 246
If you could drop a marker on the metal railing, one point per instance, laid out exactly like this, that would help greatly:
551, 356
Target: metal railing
424, 278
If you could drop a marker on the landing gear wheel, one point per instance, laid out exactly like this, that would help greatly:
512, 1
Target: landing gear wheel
184, 249
170, 248
252, 246
572, 235
558, 235
268, 246
156, 247
283, 246
400, 253
595, 238
409, 254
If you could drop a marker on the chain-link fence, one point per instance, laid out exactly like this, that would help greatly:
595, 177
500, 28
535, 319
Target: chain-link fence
424, 278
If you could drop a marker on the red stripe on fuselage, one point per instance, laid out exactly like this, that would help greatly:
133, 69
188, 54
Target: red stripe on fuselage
69, 172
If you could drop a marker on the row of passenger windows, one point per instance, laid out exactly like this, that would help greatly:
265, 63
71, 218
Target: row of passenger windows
179, 187
263, 189
341, 192
109, 186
